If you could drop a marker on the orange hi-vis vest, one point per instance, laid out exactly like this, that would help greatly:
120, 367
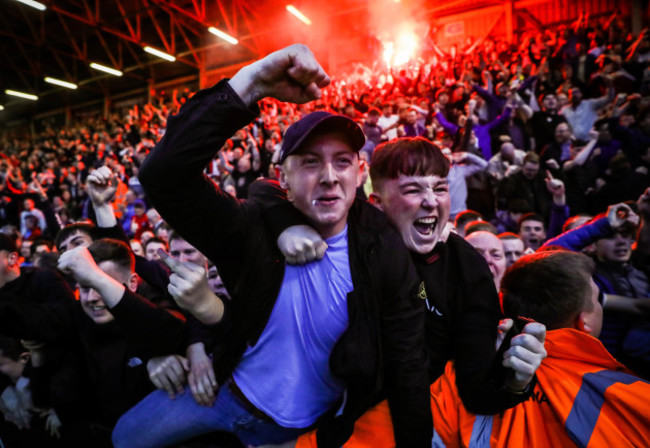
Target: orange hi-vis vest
584, 398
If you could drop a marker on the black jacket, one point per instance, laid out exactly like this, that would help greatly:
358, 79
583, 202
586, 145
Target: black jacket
383, 346
112, 357
463, 310
461, 323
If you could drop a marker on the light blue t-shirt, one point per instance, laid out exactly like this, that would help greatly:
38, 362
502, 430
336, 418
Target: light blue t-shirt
286, 373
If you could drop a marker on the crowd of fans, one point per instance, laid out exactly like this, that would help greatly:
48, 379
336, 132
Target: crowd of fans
549, 143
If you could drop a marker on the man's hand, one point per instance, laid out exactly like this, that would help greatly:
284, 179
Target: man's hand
552, 164
14, 410
459, 157
525, 354
292, 74
644, 205
168, 373
188, 286
301, 244
101, 185
621, 215
556, 188
36, 188
632, 306
201, 378
80, 264
52, 423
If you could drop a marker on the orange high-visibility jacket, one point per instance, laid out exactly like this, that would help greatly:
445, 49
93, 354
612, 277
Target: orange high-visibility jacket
584, 397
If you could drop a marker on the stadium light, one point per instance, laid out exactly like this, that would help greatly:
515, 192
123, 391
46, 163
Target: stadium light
33, 4
159, 53
227, 37
2, 107
303, 18
27, 96
103, 68
58, 82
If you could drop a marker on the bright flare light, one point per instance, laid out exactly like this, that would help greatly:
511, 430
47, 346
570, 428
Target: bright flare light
33, 4
2, 107
402, 50
58, 82
303, 18
103, 68
224, 36
159, 53
389, 51
27, 96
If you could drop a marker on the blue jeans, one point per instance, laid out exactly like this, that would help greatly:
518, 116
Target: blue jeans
158, 421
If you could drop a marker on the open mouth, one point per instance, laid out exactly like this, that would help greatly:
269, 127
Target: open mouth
326, 200
425, 226
98, 308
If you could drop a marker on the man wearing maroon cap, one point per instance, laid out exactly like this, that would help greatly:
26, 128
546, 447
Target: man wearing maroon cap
298, 346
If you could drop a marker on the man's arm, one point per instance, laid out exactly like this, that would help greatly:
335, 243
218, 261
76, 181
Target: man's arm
403, 347
449, 127
576, 239
172, 175
583, 155
35, 321
597, 103
559, 208
641, 254
80, 264
474, 349
472, 163
156, 330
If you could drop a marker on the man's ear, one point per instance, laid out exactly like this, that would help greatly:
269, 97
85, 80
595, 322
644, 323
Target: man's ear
363, 165
582, 323
280, 174
133, 282
375, 200
24, 357
13, 258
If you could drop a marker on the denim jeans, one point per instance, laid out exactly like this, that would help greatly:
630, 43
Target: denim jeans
158, 421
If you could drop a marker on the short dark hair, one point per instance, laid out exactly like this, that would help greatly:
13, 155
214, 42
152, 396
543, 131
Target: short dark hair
155, 239
552, 287
441, 92
174, 235
163, 226
7, 243
480, 226
374, 111
570, 223
508, 236
109, 249
466, 216
42, 241
531, 157
518, 205
71, 229
410, 156
530, 217
11, 348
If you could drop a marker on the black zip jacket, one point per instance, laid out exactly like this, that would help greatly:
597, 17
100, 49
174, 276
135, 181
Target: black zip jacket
110, 359
383, 348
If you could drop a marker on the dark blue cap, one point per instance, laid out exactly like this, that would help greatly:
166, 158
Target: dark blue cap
320, 121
